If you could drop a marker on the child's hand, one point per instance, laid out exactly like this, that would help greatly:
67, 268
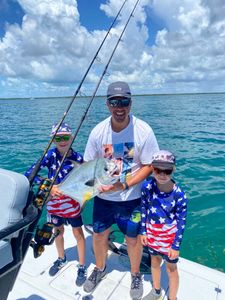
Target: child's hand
144, 240
55, 191
173, 254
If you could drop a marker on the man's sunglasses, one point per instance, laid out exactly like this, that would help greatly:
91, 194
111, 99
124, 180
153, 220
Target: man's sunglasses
64, 138
119, 102
159, 171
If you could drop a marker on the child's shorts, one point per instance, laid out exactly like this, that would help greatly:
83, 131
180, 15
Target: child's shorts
58, 221
164, 256
126, 214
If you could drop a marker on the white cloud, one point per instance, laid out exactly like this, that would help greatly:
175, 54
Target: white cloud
188, 49
55, 9
50, 52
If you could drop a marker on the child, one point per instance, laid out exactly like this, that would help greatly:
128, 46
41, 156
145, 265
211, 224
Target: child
164, 210
61, 209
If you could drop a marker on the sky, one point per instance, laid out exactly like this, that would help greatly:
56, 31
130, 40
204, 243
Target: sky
169, 46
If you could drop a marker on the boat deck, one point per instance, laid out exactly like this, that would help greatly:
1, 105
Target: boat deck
34, 283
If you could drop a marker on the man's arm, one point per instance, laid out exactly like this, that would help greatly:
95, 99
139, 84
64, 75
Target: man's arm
139, 176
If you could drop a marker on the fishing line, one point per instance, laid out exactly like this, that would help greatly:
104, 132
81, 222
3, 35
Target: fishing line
92, 98
38, 164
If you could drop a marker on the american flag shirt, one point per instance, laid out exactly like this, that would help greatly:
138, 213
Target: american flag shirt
163, 216
63, 206
52, 160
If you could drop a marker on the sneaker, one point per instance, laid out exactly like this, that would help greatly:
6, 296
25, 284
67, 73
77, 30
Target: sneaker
153, 295
57, 265
136, 289
81, 275
93, 280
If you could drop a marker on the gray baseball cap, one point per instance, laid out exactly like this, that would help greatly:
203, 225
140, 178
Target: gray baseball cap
163, 159
118, 89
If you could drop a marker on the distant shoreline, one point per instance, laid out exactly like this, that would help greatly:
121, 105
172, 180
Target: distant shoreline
70, 97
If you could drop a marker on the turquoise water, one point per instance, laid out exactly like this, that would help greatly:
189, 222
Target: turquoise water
192, 126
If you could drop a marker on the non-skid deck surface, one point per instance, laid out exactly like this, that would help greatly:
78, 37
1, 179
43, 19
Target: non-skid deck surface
33, 283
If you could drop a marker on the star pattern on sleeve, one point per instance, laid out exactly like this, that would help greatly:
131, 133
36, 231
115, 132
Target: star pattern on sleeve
153, 209
53, 167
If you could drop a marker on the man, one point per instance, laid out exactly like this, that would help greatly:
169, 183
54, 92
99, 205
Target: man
132, 143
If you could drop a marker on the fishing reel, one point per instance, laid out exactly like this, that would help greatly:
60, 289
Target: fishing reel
44, 236
42, 193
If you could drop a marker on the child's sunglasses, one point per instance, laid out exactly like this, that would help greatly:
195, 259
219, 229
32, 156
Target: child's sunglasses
119, 102
60, 138
159, 171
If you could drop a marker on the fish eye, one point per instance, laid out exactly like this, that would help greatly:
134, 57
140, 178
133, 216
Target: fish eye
106, 169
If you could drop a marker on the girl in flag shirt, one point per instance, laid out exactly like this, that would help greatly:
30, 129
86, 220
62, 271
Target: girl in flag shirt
63, 210
163, 218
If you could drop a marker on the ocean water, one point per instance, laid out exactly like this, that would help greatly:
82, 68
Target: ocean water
192, 126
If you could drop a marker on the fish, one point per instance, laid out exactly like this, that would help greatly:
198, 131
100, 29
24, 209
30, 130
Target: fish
84, 181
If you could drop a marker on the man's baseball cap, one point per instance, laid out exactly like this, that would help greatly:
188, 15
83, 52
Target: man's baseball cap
63, 129
163, 159
118, 89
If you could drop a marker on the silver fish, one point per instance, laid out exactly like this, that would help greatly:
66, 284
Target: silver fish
83, 182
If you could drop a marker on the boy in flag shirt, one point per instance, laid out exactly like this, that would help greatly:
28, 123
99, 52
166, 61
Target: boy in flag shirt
164, 210
61, 209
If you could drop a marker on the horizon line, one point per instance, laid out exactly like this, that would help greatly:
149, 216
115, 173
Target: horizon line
88, 96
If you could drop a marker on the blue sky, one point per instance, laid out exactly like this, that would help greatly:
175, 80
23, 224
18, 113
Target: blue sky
170, 46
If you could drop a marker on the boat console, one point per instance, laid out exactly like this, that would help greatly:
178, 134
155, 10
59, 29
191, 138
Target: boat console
17, 223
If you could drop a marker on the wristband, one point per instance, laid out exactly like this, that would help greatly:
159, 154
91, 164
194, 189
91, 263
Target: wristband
126, 186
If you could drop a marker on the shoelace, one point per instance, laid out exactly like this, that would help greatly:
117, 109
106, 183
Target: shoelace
136, 280
94, 275
81, 271
58, 262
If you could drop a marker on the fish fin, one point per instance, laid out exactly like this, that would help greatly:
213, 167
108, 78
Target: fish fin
90, 182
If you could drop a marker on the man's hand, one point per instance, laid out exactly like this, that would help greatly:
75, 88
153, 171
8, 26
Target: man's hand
117, 186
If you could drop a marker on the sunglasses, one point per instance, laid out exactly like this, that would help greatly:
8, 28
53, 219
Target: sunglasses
64, 138
159, 171
119, 102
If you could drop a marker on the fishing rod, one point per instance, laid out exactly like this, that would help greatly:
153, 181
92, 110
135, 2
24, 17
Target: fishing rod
38, 164
92, 98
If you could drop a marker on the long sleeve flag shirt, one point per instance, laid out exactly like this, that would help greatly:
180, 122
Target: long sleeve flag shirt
163, 216
62, 206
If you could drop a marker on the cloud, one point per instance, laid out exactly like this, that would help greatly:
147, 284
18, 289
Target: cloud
190, 48
51, 45
50, 52
49, 42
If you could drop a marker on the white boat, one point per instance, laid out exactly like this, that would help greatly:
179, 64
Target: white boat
197, 282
